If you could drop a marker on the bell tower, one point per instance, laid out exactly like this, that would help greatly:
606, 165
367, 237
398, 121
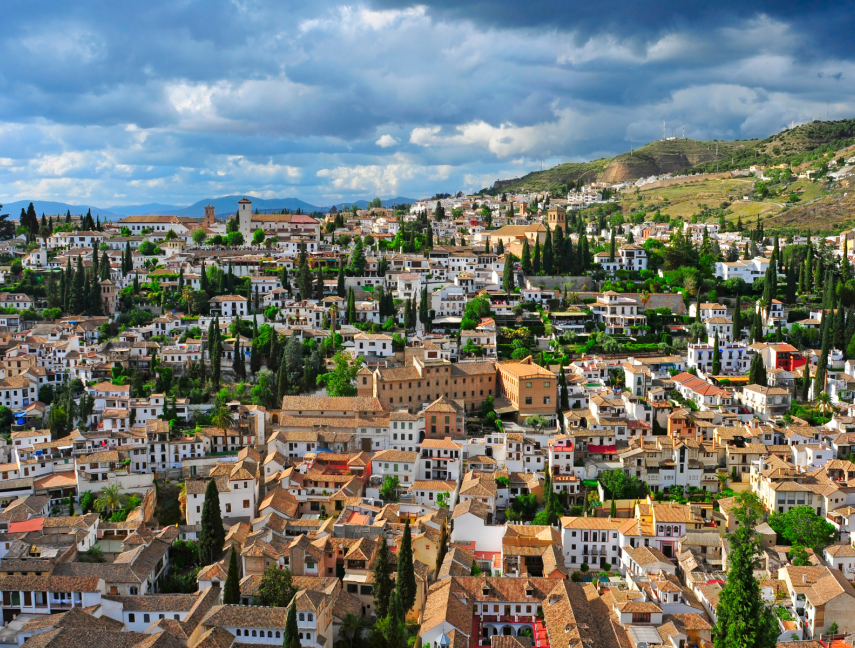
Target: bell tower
245, 218
557, 217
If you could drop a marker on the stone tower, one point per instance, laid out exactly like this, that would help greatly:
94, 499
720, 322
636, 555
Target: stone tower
245, 218
557, 217
209, 219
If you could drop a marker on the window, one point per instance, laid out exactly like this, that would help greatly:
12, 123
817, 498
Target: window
228, 507
246, 503
146, 618
132, 618
528, 400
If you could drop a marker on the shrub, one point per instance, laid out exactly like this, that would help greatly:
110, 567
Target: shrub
584, 568
576, 577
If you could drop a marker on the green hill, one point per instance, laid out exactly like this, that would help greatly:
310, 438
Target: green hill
792, 146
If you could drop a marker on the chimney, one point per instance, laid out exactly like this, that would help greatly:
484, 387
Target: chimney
804, 578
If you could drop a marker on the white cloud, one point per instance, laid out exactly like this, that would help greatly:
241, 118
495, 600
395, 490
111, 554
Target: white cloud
385, 141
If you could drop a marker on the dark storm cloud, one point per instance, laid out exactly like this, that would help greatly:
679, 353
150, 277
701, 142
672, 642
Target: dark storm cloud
176, 101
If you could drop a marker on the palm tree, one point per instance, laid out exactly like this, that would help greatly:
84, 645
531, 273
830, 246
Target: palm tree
722, 480
223, 418
187, 293
111, 499
823, 403
351, 627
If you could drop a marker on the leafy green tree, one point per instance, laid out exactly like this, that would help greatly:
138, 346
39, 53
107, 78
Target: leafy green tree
199, 236
389, 488
801, 525
341, 381
276, 588
356, 262
212, 535
744, 621
231, 590
258, 237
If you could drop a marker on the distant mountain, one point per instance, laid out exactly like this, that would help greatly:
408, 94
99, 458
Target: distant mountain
225, 206
53, 208
149, 208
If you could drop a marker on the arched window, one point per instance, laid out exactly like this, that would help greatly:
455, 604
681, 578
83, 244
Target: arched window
238, 632
301, 617
278, 635
310, 617
270, 633
253, 633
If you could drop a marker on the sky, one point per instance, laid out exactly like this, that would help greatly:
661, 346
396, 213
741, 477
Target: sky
111, 103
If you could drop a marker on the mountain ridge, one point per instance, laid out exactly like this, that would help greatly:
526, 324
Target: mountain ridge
686, 155
223, 206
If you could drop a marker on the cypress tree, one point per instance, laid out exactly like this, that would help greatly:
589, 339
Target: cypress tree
806, 383
94, 306
319, 286
95, 260
563, 395
212, 535
104, 267
238, 364
822, 363
77, 294
254, 357
548, 260
292, 633
526, 257
383, 584
181, 281
839, 328
408, 315
203, 279
535, 262
231, 590
406, 574
737, 320
716, 357
612, 245
743, 620
339, 288
423, 307
508, 274
500, 248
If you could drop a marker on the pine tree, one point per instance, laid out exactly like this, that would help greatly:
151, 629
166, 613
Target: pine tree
716, 357
383, 584
212, 535
526, 257
231, 590
406, 574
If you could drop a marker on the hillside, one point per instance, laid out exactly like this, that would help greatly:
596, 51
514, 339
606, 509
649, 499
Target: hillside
796, 145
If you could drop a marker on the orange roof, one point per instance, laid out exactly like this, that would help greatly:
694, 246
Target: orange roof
33, 524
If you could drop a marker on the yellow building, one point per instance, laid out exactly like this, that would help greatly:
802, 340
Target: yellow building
531, 389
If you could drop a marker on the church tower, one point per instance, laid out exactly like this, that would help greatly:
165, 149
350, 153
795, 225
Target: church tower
210, 219
557, 217
245, 218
